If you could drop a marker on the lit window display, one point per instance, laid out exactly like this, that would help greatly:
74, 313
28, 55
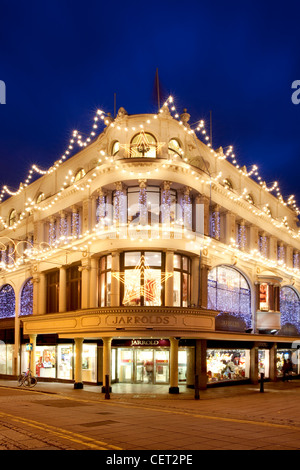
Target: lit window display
142, 284
65, 361
264, 362
285, 354
89, 362
143, 145
223, 365
289, 307
264, 296
45, 361
6, 358
229, 292
182, 364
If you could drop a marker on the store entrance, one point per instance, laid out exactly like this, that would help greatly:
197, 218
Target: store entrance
143, 366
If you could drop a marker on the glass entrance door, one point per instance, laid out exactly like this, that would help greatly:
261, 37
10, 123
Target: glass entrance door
144, 366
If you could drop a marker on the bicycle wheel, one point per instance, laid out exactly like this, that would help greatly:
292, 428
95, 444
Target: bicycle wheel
21, 380
30, 381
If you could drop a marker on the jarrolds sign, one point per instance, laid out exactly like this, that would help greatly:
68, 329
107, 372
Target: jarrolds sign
144, 343
140, 320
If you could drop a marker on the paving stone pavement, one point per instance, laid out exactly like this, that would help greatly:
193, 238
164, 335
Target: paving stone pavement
147, 417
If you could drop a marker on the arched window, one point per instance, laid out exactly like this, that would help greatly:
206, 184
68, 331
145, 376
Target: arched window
27, 298
229, 292
143, 145
40, 198
12, 217
174, 148
250, 199
80, 174
228, 185
115, 148
290, 307
7, 301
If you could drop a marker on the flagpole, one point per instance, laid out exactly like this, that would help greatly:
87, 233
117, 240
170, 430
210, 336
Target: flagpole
157, 88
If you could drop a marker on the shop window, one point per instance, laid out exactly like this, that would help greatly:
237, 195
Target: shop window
52, 291
105, 281
89, 362
174, 148
284, 355
182, 281
143, 145
229, 292
27, 298
12, 219
7, 301
290, 307
45, 361
141, 283
73, 288
226, 365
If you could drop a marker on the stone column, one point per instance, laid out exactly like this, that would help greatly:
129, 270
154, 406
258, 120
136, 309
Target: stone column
174, 389
94, 283
169, 283
85, 285
62, 289
32, 340
42, 294
253, 238
273, 362
190, 367
86, 215
200, 363
273, 248
229, 227
106, 361
195, 297
204, 270
78, 363
115, 283
35, 285
254, 364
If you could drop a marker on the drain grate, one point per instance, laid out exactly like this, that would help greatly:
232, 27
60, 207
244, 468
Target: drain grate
97, 423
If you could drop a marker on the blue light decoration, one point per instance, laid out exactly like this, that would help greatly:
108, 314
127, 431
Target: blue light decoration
143, 203
215, 228
52, 232
289, 307
229, 292
263, 245
7, 301
101, 208
26, 307
75, 223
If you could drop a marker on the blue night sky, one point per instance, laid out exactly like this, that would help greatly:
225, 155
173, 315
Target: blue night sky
63, 60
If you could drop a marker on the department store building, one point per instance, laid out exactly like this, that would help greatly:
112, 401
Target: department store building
148, 257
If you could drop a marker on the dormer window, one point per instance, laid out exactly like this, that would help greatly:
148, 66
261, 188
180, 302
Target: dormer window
12, 218
143, 145
80, 174
115, 148
40, 198
174, 148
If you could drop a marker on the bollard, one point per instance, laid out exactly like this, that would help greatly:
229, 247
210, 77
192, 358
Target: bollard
107, 395
197, 396
262, 382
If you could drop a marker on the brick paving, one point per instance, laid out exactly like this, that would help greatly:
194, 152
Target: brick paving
148, 418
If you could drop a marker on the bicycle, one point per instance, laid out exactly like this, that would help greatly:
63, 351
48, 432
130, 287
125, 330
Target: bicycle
27, 379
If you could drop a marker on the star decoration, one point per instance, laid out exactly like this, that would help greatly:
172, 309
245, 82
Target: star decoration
141, 284
141, 146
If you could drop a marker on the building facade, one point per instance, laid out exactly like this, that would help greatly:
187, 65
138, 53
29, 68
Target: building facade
148, 257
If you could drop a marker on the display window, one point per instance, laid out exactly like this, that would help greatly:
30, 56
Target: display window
264, 362
65, 361
264, 296
6, 358
285, 354
89, 362
182, 365
45, 361
225, 365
